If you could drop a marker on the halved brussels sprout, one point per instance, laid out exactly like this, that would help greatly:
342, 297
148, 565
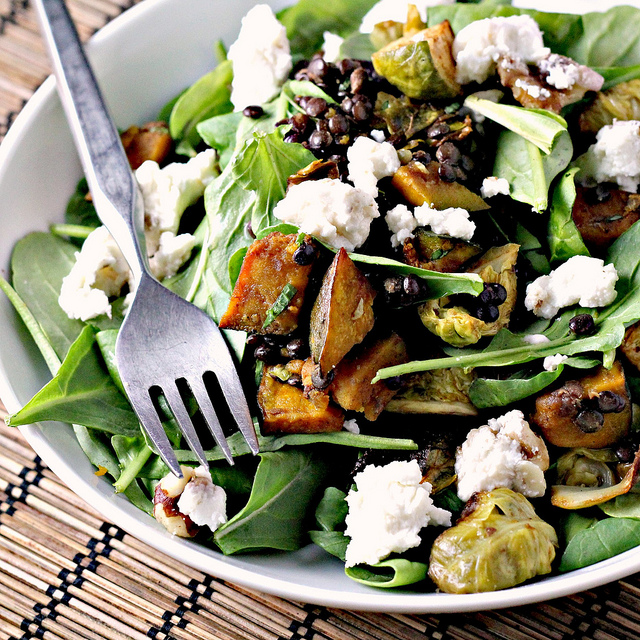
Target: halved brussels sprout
498, 542
443, 391
454, 324
421, 66
621, 102
438, 253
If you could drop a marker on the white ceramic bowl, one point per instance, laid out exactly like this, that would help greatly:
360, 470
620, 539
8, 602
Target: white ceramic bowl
142, 59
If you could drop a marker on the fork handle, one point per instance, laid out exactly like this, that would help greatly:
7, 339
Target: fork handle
114, 189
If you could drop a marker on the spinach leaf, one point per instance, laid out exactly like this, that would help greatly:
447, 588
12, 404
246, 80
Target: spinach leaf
81, 392
528, 170
71, 231
220, 132
281, 303
538, 126
263, 166
307, 20
602, 540
207, 97
615, 75
293, 88
395, 572
97, 447
39, 263
81, 211
333, 542
625, 506
485, 392
330, 516
531, 249
357, 46
573, 523
284, 486
565, 240
133, 454
460, 15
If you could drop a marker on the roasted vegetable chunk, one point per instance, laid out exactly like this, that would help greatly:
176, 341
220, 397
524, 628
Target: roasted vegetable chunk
269, 268
351, 386
286, 409
438, 253
422, 65
621, 102
601, 222
593, 412
498, 542
421, 184
443, 391
151, 141
342, 314
454, 324
631, 344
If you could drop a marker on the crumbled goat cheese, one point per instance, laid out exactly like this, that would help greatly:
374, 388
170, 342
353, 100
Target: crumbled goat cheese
562, 73
536, 338
453, 221
100, 271
370, 161
503, 453
331, 47
615, 157
387, 511
396, 10
580, 280
551, 363
261, 58
533, 90
330, 210
351, 426
492, 186
378, 135
478, 46
204, 502
401, 223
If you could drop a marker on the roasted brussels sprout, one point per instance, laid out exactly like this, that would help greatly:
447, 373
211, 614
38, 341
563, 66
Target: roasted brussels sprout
631, 345
422, 65
455, 324
443, 391
621, 102
498, 542
438, 253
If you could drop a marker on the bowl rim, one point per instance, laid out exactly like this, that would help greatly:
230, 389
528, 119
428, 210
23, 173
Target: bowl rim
196, 556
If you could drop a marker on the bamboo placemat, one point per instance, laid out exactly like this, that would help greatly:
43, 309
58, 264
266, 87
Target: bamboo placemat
67, 574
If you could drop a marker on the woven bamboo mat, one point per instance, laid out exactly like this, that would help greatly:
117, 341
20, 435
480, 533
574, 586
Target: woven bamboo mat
66, 574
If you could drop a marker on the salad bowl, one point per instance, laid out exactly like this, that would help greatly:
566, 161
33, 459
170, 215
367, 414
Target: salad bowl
142, 59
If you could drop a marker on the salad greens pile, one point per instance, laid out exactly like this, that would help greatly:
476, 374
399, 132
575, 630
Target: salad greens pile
294, 492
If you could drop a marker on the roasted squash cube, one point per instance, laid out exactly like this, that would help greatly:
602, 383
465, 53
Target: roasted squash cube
151, 141
351, 386
342, 314
421, 184
266, 270
285, 409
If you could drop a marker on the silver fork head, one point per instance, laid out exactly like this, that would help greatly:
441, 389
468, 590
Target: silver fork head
165, 339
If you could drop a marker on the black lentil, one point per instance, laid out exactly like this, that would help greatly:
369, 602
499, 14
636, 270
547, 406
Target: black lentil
253, 111
582, 324
315, 107
305, 254
610, 402
590, 420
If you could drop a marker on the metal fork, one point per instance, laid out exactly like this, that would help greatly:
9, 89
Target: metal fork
164, 339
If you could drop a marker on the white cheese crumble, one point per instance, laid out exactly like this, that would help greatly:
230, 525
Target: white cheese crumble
378, 135
534, 90
387, 511
453, 221
562, 73
370, 161
331, 47
351, 426
580, 280
330, 210
396, 10
536, 338
100, 270
261, 58
503, 453
204, 502
615, 157
551, 363
478, 46
493, 186
401, 223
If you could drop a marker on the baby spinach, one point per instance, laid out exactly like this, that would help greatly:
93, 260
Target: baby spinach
285, 485
207, 97
71, 231
460, 15
330, 516
133, 453
81, 211
97, 447
307, 21
357, 46
81, 392
565, 240
538, 126
625, 506
528, 170
603, 539
395, 572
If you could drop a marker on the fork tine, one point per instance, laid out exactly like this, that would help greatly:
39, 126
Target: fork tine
234, 395
150, 421
180, 413
203, 399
